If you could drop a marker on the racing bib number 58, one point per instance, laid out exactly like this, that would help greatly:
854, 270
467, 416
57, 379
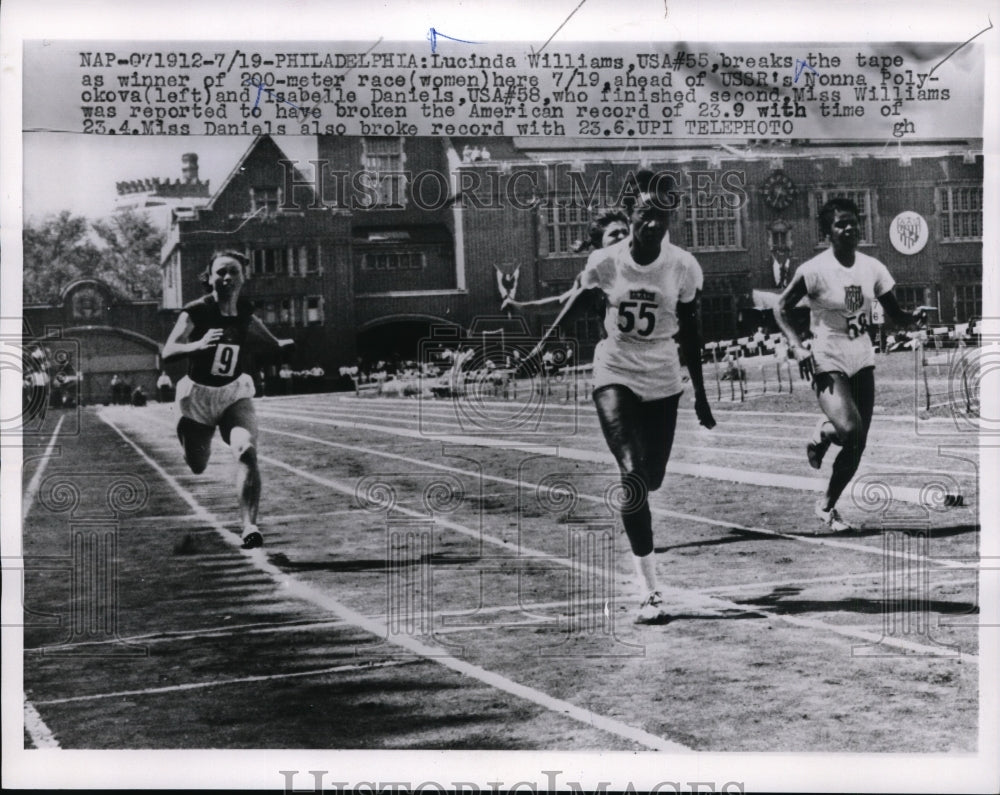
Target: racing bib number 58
857, 325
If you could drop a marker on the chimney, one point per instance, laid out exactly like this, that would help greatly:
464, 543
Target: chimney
190, 167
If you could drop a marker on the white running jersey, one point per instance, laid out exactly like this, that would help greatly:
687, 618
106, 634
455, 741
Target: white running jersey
840, 303
641, 321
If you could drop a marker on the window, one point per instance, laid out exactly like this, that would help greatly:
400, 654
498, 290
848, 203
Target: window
910, 296
392, 261
285, 311
713, 228
566, 225
302, 260
314, 310
383, 158
269, 261
308, 260
968, 302
587, 330
862, 198
717, 319
267, 199
961, 212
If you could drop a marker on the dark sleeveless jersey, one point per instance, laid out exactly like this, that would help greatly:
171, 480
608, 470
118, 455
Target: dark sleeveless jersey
220, 364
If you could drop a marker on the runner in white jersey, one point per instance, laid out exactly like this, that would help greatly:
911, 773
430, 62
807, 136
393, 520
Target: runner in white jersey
652, 288
639, 351
841, 284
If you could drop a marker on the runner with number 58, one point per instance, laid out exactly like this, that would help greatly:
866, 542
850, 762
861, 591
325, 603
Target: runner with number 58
841, 284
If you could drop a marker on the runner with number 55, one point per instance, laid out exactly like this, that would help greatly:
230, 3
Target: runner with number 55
212, 332
841, 284
652, 289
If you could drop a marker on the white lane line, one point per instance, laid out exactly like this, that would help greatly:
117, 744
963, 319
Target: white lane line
598, 458
36, 480
833, 578
242, 680
813, 415
40, 734
283, 517
297, 589
685, 447
803, 539
815, 484
212, 632
442, 416
877, 639
679, 595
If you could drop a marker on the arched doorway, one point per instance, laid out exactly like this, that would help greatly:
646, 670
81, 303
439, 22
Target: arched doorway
401, 339
106, 351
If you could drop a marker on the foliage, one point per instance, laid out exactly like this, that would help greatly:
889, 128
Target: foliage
122, 251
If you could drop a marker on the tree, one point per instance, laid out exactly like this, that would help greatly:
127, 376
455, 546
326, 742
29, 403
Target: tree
130, 260
57, 252
63, 248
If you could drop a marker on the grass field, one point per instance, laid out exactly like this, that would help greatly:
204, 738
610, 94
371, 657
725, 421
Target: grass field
448, 575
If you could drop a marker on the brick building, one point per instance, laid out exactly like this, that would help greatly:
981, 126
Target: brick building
354, 265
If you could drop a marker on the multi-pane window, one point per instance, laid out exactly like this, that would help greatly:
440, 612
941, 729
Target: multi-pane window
392, 261
303, 260
961, 211
314, 310
269, 261
382, 160
862, 198
717, 317
909, 296
968, 302
290, 311
265, 198
712, 228
566, 226
291, 260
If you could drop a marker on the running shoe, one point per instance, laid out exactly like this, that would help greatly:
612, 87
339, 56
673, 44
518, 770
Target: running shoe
817, 447
651, 611
252, 539
831, 518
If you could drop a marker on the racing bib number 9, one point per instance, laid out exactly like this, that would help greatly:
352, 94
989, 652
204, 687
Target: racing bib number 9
224, 363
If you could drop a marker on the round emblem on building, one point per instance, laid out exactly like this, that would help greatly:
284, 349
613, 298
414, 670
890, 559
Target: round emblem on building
87, 303
908, 232
778, 190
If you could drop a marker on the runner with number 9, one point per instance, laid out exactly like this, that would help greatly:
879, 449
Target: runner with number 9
216, 393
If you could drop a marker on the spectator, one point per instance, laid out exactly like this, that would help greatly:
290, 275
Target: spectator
138, 396
285, 374
165, 387
116, 390
758, 340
